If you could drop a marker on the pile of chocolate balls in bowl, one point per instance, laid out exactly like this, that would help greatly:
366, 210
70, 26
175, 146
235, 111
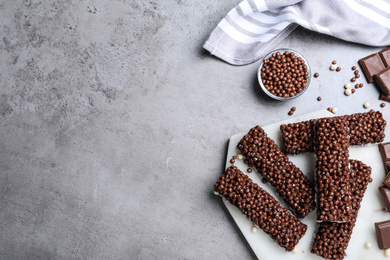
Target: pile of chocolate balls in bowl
284, 74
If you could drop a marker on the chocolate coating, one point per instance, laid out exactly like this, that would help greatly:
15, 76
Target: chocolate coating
364, 128
288, 180
332, 170
260, 207
331, 239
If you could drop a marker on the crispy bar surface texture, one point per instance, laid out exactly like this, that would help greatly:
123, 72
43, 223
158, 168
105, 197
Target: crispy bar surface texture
331, 239
364, 128
288, 180
332, 170
260, 207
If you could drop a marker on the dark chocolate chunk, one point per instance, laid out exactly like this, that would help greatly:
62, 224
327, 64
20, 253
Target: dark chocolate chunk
386, 181
288, 180
383, 234
371, 65
384, 149
384, 97
260, 207
382, 79
385, 56
386, 197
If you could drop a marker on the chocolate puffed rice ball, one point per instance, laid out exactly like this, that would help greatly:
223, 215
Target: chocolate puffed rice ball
284, 74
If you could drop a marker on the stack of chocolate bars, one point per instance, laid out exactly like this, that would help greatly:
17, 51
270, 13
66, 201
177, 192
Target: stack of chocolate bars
376, 67
337, 193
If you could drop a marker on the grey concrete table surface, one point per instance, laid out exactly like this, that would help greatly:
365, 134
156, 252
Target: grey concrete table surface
115, 123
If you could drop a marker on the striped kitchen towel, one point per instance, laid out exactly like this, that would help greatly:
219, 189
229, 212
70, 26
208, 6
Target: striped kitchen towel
254, 27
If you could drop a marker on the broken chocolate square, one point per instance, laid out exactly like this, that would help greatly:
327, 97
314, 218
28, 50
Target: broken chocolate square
386, 181
386, 197
385, 56
384, 149
371, 65
383, 234
382, 79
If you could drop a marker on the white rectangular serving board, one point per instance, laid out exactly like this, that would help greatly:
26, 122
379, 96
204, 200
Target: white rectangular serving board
370, 212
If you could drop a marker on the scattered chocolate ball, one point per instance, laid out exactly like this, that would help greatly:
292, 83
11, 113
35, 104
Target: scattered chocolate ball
383, 104
316, 75
353, 90
357, 86
249, 170
356, 72
290, 113
353, 67
293, 108
361, 85
366, 105
348, 92
232, 161
347, 86
357, 76
329, 109
319, 98
338, 69
333, 67
353, 79
334, 62
334, 110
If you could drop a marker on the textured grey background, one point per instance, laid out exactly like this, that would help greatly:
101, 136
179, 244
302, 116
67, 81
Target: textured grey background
114, 125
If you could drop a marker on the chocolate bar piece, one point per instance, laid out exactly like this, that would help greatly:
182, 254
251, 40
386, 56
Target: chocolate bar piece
290, 183
383, 234
384, 149
364, 128
382, 79
386, 181
331, 239
332, 170
384, 97
386, 197
260, 207
298, 137
385, 56
371, 65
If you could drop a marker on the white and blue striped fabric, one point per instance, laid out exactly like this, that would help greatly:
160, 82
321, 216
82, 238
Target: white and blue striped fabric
254, 27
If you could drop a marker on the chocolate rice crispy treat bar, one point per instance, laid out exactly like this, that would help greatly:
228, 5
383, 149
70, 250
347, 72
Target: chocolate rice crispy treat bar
260, 207
364, 128
332, 170
331, 239
290, 183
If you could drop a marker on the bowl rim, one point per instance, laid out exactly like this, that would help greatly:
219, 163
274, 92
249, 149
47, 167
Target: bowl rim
282, 50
